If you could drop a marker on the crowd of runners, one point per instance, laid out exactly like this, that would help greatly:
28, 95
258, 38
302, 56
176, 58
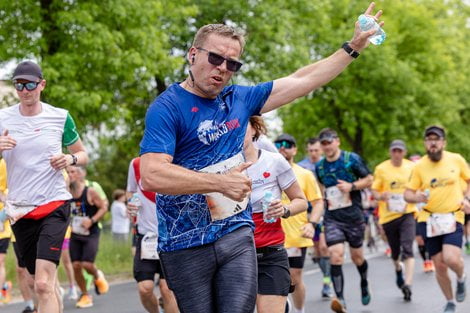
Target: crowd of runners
231, 215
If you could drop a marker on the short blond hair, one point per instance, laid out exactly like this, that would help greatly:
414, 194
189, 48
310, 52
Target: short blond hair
220, 30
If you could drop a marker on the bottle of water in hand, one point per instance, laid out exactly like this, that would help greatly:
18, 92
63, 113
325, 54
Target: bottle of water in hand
135, 200
367, 23
267, 198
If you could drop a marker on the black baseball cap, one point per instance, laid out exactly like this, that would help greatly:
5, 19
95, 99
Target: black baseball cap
436, 130
27, 70
398, 144
327, 134
286, 137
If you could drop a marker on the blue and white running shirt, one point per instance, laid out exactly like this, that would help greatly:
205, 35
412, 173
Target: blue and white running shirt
198, 132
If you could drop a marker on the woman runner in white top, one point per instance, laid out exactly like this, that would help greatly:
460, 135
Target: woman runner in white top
271, 172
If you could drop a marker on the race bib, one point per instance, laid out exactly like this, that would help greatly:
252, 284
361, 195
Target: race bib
396, 203
294, 252
17, 209
77, 227
148, 247
440, 224
337, 199
220, 206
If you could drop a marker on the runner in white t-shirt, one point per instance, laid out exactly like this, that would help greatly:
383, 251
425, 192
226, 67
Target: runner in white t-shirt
146, 259
32, 136
271, 173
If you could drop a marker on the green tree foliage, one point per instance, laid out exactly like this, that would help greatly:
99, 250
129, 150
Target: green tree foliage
107, 60
419, 76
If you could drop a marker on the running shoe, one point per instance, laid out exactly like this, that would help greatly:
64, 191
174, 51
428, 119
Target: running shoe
406, 289
101, 285
85, 301
365, 293
461, 290
467, 248
399, 279
428, 266
326, 292
450, 307
338, 305
29, 310
72, 293
388, 252
6, 292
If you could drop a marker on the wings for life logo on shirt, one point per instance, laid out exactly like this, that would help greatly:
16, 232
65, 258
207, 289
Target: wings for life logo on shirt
440, 182
209, 132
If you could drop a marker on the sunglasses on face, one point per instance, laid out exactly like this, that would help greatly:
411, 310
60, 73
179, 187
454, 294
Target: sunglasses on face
283, 144
30, 86
216, 59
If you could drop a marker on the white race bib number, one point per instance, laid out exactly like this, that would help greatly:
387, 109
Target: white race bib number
337, 199
396, 203
294, 252
220, 206
77, 227
17, 209
148, 247
440, 224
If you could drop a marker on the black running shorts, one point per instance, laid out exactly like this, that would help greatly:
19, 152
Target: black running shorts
145, 269
43, 238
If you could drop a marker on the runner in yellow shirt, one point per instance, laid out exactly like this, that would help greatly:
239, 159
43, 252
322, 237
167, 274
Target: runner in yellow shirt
435, 180
298, 229
5, 234
396, 216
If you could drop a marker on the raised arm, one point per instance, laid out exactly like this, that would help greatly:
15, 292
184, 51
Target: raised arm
160, 175
315, 75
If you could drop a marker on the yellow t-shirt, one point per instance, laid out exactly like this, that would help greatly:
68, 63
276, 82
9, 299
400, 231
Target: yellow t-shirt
6, 233
292, 225
443, 180
389, 178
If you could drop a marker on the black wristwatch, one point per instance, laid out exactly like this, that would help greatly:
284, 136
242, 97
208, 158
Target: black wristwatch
286, 212
74, 159
350, 50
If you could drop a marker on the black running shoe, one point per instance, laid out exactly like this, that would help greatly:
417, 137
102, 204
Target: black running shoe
406, 289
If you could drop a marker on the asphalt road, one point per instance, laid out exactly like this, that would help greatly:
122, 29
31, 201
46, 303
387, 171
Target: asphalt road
386, 297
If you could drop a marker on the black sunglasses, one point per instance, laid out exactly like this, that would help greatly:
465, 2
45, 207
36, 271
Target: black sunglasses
30, 86
283, 144
216, 59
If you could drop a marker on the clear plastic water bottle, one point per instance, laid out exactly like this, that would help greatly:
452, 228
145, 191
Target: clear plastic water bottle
367, 23
427, 193
135, 200
267, 198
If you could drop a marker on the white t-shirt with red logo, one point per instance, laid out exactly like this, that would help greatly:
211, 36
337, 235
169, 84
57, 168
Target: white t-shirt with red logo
272, 173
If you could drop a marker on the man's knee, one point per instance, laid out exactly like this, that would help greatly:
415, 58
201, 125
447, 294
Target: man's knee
43, 287
77, 266
146, 288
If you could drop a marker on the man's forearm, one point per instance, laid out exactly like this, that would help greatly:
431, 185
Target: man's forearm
317, 210
363, 183
171, 179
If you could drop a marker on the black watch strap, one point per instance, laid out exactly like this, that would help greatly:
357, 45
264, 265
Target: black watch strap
350, 50
74, 159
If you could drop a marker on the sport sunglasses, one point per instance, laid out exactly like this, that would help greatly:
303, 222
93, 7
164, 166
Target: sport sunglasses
30, 86
283, 144
216, 59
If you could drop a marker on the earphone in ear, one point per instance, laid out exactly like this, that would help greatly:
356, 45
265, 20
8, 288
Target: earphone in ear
192, 59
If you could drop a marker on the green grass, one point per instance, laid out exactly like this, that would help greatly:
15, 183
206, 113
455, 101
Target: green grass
114, 259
